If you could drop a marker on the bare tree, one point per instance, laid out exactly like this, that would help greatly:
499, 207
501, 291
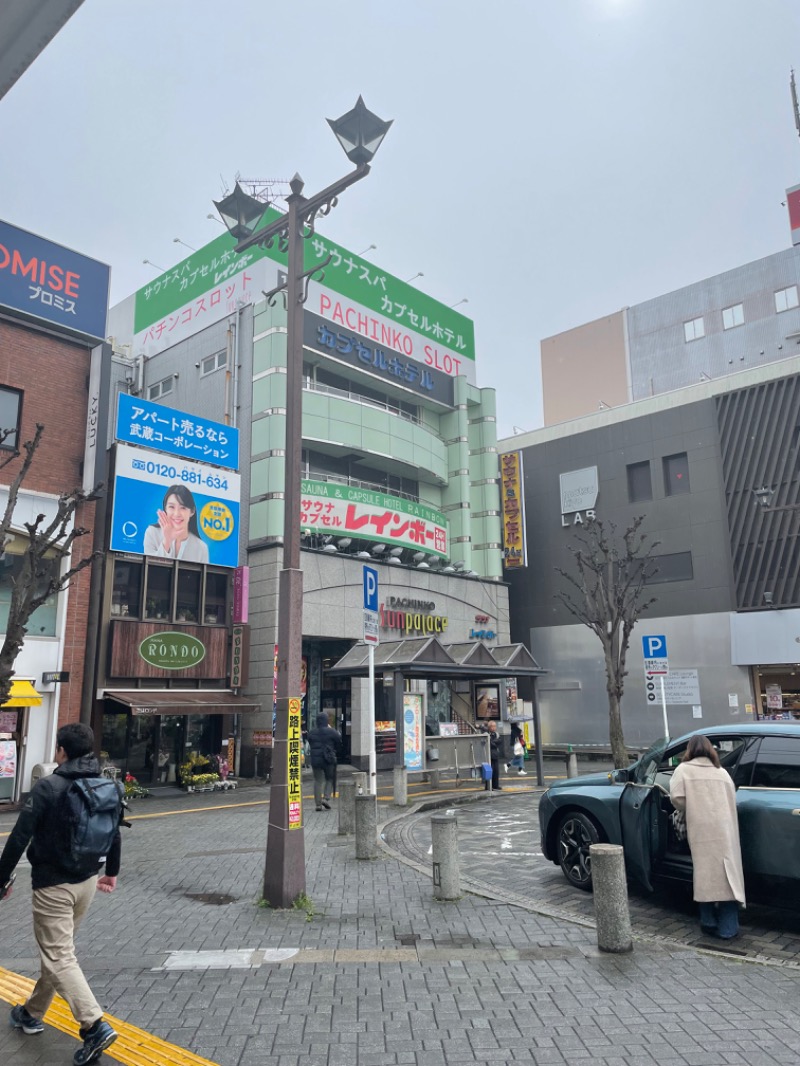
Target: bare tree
48, 542
609, 596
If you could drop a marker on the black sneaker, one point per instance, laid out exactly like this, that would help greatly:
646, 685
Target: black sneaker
95, 1041
326, 805
21, 1019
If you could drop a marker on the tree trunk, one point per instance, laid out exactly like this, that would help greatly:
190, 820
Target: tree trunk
618, 751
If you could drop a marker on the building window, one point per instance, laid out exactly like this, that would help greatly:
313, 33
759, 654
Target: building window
694, 330
674, 567
213, 362
193, 594
786, 299
640, 483
160, 388
676, 474
10, 414
732, 316
42, 623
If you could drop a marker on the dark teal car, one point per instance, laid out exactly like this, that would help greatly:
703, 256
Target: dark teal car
632, 807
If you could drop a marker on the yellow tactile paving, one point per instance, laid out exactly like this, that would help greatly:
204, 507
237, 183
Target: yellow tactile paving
134, 1047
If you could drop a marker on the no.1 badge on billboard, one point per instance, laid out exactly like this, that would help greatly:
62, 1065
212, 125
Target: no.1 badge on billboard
172, 508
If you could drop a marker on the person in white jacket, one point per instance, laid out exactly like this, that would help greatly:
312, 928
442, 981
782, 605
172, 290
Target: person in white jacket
705, 792
175, 535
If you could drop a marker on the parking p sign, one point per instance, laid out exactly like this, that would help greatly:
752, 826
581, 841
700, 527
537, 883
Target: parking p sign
654, 649
371, 631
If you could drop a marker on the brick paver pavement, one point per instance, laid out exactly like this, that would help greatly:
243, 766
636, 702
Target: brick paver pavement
380, 974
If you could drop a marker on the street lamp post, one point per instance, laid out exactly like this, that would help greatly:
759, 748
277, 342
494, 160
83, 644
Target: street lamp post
360, 133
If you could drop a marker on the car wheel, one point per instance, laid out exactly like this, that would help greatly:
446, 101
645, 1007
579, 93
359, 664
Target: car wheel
576, 833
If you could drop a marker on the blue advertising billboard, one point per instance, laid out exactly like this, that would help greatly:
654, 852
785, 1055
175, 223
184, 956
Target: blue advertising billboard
151, 425
170, 508
52, 282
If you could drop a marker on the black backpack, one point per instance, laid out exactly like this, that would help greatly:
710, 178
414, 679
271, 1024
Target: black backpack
91, 811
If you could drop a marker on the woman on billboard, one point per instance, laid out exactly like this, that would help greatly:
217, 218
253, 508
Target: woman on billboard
175, 534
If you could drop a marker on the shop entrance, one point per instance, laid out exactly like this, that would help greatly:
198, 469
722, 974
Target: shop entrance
153, 747
336, 705
777, 692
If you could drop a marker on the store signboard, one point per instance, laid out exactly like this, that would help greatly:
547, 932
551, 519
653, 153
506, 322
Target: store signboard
53, 283
514, 553
355, 294
262, 738
152, 425
172, 651
8, 758
327, 507
294, 765
412, 730
241, 594
373, 352
157, 496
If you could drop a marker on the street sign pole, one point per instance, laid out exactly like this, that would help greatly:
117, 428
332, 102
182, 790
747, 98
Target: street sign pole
373, 772
656, 664
664, 706
371, 638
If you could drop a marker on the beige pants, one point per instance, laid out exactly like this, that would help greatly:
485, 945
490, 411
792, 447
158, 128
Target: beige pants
57, 913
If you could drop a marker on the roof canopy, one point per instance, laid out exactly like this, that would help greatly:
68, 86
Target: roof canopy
181, 701
426, 657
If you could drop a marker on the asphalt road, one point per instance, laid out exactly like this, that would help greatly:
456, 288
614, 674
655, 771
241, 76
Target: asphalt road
499, 847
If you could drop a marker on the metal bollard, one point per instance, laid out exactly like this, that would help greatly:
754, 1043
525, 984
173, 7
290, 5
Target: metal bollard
444, 838
611, 898
361, 783
366, 827
400, 786
347, 807
572, 762
433, 778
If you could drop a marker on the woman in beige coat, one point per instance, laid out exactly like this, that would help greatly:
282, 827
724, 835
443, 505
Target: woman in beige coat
705, 792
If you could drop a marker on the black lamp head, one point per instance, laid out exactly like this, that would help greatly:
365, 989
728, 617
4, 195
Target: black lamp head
360, 133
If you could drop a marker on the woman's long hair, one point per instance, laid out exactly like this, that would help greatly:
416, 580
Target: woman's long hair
698, 747
187, 500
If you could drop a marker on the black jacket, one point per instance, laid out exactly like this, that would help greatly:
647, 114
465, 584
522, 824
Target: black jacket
325, 744
494, 747
39, 825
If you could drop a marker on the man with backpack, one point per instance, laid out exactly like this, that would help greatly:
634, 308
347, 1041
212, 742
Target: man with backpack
71, 821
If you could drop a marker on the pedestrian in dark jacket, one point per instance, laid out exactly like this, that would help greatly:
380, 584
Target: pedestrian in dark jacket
494, 756
325, 744
61, 896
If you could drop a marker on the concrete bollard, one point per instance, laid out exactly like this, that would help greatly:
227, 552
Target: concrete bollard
444, 838
572, 763
360, 780
347, 807
366, 827
611, 898
400, 786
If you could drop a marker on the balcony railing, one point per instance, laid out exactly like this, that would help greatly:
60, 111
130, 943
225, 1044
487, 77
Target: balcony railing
365, 401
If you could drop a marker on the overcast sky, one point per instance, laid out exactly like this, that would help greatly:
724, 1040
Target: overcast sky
550, 161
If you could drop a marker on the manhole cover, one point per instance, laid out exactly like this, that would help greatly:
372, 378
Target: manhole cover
215, 899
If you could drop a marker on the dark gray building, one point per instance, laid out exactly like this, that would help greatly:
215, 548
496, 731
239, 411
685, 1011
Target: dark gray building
714, 470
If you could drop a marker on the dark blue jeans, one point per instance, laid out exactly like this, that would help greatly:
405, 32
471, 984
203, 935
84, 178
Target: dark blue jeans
722, 919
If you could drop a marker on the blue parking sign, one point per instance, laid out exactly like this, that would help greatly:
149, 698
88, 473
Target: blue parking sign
370, 589
654, 647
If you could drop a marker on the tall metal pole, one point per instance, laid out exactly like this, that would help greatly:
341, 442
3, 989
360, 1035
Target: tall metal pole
285, 869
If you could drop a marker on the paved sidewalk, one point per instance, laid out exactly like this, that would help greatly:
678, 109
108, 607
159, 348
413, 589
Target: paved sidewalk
378, 974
